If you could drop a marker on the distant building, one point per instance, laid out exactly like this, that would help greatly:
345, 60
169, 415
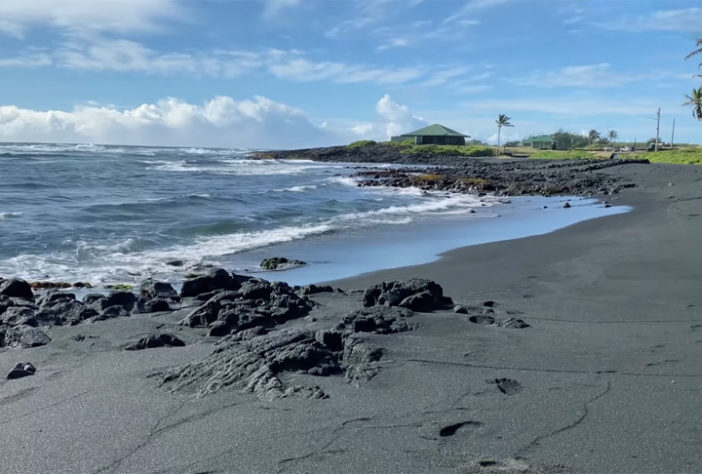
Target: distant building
433, 135
542, 142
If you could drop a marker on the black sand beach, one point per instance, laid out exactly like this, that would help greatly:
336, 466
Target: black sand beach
605, 378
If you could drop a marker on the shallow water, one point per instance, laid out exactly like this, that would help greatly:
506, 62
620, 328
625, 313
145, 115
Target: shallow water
116, 214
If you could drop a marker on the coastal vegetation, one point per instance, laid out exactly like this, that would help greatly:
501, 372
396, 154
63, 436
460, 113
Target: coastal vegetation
456, 150
691, 155
361, 144
564, 154
502, 121
612, 135
695, 99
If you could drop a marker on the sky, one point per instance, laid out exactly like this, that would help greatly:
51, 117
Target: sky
298, 73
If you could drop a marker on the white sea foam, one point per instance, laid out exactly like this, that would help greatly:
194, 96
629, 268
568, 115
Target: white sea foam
241, 167
344, 180
298, 189
99, 262
9, 215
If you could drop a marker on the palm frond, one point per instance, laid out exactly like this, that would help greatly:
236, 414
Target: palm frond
697, 51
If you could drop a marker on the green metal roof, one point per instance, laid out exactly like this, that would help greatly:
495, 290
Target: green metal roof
539, 139
434, 131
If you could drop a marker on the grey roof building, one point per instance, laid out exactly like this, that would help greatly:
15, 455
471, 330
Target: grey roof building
433, 135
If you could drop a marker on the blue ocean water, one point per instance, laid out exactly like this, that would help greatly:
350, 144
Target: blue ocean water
117, 214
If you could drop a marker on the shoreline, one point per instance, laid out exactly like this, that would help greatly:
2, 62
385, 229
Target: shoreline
361, 252
604, 377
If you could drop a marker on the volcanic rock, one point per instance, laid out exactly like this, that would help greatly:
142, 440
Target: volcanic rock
157, 289
257, 303
215, 279
16, 287
155, 340
23, 369
280, 263
257, 365
18, 315
379, 320
23, 336
417, 294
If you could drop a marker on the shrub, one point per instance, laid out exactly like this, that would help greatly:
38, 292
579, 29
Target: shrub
454, 150
427, 179
565, 154
474, 181
361, 143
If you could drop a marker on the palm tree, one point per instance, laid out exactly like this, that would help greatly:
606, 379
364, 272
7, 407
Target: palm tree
695, 100
697, 51
612, 136
502, 121
593, 135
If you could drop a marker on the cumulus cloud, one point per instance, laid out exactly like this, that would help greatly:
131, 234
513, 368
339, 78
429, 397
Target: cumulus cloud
222, 121
392, 119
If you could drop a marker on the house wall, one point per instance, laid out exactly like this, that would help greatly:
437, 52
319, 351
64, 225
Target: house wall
441, 140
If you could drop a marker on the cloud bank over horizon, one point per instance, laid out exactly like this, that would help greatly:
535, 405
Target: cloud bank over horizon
219, 122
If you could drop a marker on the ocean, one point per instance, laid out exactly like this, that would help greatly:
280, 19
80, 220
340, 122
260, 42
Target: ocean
118, 215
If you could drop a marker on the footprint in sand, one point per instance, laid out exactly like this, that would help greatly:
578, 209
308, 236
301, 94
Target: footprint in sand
507, 386
451, 430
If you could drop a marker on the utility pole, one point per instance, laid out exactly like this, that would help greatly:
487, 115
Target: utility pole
672, 136
658, 128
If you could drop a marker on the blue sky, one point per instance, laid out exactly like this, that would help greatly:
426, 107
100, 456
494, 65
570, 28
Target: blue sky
293, 73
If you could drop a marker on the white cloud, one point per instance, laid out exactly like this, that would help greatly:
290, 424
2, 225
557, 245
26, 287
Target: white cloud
473, 6
222, 121
305, 70
273, 8
686, 19
392, 119
570, 106
589, 75
443, 76
81, 15
30, 60
123, 55
393, 43
368, 13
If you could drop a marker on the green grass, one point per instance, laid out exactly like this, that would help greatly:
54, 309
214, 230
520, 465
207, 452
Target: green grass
563, 154
684, 156
361, 144
454, 150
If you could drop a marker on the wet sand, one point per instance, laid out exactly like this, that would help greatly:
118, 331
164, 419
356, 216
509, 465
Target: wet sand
605, 379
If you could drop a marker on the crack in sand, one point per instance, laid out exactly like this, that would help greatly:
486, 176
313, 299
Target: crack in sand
157, 430
633, 321
322, 450
555, 371
33, 412
337, 431
579, 420
184, 468
153, 433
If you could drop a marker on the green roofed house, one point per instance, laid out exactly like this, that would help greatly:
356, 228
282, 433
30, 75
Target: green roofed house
542, 142
433, 135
